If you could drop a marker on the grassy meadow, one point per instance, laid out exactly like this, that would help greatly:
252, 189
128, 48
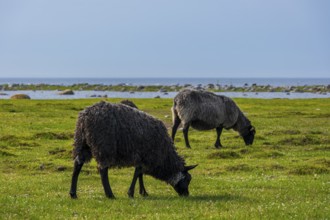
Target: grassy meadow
285, 174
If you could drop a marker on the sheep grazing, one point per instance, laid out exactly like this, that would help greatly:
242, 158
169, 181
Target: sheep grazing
205, 110
120, 136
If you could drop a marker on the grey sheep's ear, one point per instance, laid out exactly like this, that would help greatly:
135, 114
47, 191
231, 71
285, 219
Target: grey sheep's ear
187, 168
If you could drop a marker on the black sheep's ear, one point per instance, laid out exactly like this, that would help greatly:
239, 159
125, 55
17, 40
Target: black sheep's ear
187, 168
252, 129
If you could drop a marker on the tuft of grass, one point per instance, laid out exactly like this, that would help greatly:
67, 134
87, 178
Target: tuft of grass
6, 154
269, 154
61, 153
277, 167
284, 132
309, 170
53, 136
321, 148
224, 155
56, 151
323, 162
239, 167
300, 141
9, 138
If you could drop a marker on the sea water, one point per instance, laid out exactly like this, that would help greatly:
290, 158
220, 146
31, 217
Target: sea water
171, 81
111, 94
165, 81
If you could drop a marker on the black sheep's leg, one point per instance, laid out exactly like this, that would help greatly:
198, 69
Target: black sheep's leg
185, 134
143, 191
217, 142
78, 164
105, 183
176, 124
131, 189
137, 174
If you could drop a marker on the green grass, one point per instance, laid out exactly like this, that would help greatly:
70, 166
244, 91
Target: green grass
285, 174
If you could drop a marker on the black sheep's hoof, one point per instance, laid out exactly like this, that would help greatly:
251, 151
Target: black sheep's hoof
130, 195
111, 197
144, 194
73, 195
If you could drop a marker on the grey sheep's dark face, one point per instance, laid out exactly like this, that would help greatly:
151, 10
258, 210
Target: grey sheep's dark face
182, 186
249, 137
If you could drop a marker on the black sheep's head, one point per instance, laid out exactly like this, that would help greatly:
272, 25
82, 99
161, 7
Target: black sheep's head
181, 187
249, 136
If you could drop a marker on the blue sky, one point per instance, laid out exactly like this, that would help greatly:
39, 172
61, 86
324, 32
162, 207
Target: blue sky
165, 38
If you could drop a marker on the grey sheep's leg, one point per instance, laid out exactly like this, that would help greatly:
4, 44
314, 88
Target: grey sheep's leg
105, 183
176, 124
217, 142
78, 164
185, 134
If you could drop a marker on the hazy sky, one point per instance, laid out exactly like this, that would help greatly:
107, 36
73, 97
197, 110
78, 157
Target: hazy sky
165, 38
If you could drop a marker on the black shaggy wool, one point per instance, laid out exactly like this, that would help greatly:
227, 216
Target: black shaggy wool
120, 136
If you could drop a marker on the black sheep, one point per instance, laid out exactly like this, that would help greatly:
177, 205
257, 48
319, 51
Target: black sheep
120, 136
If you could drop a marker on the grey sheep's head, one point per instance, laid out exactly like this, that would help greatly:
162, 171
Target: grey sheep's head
249, 136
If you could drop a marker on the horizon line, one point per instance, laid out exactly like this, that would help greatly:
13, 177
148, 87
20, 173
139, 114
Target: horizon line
144, 77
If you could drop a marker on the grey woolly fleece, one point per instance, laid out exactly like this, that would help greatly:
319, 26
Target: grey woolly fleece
120, 136
206, 110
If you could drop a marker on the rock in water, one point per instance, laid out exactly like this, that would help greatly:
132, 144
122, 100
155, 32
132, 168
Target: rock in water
20, 96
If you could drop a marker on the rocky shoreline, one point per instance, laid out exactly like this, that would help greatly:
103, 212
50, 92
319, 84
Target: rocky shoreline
122, 87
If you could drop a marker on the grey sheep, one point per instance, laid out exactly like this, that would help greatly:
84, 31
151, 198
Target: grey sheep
120, 136
204, 110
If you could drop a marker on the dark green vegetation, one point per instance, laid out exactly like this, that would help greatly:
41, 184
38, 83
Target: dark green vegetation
173, 88
285, 174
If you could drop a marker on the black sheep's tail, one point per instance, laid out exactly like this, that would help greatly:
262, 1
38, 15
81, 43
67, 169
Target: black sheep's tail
81, 150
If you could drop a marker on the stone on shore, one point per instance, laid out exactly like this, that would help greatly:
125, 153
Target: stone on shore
66, 92
20, 96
